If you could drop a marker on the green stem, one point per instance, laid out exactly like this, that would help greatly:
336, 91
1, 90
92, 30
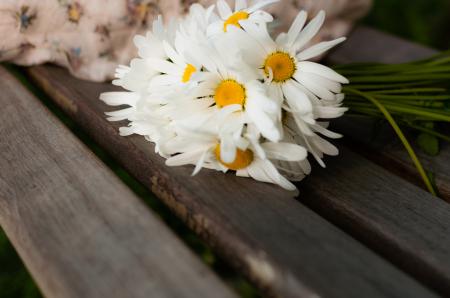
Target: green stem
399, 78
402, 137
436, 69
377, 86
410, 90
430, 113
412, 97
434, 107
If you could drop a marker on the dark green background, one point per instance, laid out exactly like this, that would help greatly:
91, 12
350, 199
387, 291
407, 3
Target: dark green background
424, 21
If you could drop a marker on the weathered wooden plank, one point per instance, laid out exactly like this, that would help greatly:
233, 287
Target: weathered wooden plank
283, 246
79, 230
378, 142
384, 146
403, 223
409, 228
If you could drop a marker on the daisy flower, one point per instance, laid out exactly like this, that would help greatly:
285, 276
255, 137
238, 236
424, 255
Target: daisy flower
174, 73
137, 76
150, 45
308, 90
204, 150
176, 69
242, 11
198, 19
239, 88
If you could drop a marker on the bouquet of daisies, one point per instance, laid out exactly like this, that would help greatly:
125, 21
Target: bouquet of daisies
215, 90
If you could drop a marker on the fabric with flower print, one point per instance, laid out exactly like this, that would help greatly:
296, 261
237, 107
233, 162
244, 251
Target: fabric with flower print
90, 37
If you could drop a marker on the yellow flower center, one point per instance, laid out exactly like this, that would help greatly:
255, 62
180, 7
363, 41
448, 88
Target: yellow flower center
188, 71
243, 159
282, 66
229, 92
234, 19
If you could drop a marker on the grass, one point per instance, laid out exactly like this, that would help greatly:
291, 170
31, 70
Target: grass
423, 21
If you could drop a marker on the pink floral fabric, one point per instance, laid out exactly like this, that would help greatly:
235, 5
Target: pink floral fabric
91, 37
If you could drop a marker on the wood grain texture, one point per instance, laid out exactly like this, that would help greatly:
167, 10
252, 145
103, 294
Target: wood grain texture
378, 142
402, 222
283, 246
384, 147
414, 231
79, 230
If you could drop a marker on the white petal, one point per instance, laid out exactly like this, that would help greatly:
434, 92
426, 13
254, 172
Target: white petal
304, 128
264, 170
126, 131
149, 46
200, 163
172, 54
310, 31
225, 112
282, 38
260, 4
163, 80
325, 146
329, 112
215, 28
306, 166
253, 52
319, 49
165, 66
328, 133
296, 98
185, 158
296, 27
340, 97
260, 33
120, 98
242, 173
291, 170
264, 122
314, 87
227, 149
240, 5
261, 17
331, 85
284, 151
321, 70
224, 9
120, 114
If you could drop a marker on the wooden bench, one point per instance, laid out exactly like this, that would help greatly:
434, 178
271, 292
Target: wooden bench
360, 228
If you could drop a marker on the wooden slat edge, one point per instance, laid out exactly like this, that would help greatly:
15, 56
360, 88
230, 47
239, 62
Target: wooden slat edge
79, 230
281, 245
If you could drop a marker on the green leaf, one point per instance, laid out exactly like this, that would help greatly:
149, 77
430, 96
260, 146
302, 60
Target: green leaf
428, 143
